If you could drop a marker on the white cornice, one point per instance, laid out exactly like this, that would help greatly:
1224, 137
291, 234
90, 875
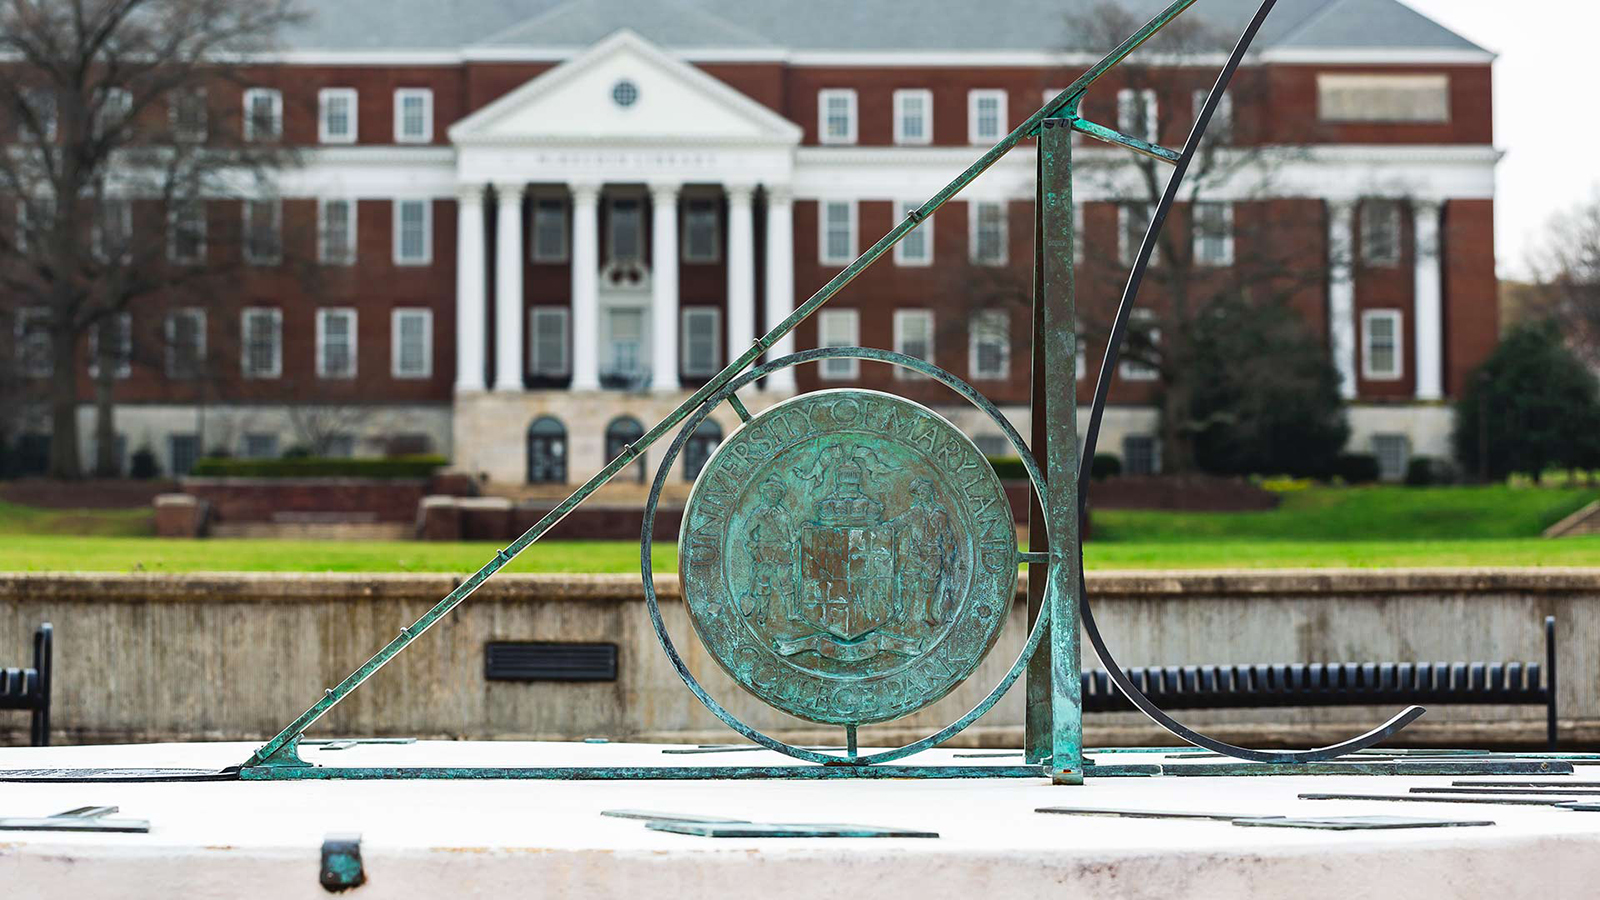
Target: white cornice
1387, 56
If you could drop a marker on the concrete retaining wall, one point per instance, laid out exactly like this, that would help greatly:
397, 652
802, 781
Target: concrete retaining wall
158, 657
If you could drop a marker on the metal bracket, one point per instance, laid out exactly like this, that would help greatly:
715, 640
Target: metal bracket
84, 818
341, 867
285, 757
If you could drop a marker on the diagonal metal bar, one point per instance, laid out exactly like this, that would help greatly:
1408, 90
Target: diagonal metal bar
1137, 145
332, 696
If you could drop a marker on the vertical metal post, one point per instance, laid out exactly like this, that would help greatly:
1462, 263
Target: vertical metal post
1036, 713
1058, 339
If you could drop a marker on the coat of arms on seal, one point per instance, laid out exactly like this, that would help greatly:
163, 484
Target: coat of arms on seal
848, 556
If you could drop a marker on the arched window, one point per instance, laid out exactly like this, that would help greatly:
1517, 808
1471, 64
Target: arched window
697, 450
547, 452
622, 431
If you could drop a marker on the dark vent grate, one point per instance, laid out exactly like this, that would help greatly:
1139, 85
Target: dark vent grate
549, 661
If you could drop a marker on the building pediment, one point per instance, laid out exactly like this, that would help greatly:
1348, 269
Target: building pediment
625, 90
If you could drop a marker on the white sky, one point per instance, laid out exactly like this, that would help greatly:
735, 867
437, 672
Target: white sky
1544, 83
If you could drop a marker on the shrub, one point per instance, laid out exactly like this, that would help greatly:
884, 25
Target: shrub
1105, 465
1423, 471
143, 464
316, 467
1356, 468
1009, 468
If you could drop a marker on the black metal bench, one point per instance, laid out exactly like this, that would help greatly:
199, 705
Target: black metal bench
1338, 684
30, 688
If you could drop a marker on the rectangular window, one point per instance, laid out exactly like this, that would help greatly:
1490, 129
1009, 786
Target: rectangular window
336, 115
913, 336
118, 330
35, 355
700, 230
836, 116
260, 445
336, 232
336, 343
186, 343
186, 114
988, 239
413, 116
701, 340
112, 235
1133, 220
1141, 455
1380, 233
263, 232
916, 248
1381, 357
186, 231
1383, 98
626, 343
913, 117
1140, 323
114, 111
989, 345
1394, 454
413, 232
986, 116
1213, 234
838, 239
1136, 114
263, 115
839, 328
1221, 130
182, 452
41, 106
549, 230
412, 343
262, 351
547, 341
627, 229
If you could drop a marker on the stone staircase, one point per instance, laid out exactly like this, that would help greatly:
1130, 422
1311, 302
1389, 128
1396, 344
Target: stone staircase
1584, 521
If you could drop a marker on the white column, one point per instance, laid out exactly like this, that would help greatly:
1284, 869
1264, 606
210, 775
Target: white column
585, 287
741, 270
1342, 294
664, 287
508, 287
780, 279
471, 300
1429, 301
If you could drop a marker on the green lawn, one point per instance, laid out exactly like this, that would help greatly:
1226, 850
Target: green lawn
1316, 527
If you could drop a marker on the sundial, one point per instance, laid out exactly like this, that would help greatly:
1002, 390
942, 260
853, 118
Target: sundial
848, 556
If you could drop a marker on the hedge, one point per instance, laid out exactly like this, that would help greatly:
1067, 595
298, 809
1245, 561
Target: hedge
318, 467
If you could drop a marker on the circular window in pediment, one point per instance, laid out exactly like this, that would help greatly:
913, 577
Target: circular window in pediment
625, 93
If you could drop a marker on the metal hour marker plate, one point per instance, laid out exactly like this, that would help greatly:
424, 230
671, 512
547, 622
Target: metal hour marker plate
785, 830
1356, 823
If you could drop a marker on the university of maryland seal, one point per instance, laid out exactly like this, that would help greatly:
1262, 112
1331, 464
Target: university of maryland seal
848, 556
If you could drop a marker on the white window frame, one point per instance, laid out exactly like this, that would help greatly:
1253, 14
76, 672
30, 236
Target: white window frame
1370, 208
249, 232
175, 102
827, 94
543, 255
1396, 321
325, 97
396, 343
1126, 246
923, 231
974, 218
849, 320
427, 232
853, 213
30, 367
1221, 129
323, 315
401, 95
1227, 238
1131, 370
174, 221
276, 316
170, 330
902, 320
978, 331
974, 97
118, 102
323, 256
536, 366
97, 229
1150, 128
900, 99
45, 104
684, 253
124, 325
276, 96
714, 315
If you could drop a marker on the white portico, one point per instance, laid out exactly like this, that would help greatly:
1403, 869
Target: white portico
630, 150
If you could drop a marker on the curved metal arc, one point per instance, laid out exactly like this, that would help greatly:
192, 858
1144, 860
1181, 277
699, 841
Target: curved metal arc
652, 604
1102, 389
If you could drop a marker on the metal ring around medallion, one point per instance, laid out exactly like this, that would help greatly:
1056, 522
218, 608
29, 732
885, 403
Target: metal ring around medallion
646, 543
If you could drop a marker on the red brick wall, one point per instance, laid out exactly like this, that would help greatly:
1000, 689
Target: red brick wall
261, 499
1471, 303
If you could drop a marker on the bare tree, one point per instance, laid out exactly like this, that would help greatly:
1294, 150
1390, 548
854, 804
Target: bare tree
1566, 270
114, 154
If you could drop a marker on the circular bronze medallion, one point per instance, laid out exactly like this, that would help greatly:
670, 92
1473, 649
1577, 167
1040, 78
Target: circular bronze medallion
848, 556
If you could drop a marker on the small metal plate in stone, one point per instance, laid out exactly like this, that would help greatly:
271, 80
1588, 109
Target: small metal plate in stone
1356, 823
1142, 813
84, 818
786, 830
67, 776
848, 556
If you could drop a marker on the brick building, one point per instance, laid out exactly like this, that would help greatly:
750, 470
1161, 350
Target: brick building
539, 225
